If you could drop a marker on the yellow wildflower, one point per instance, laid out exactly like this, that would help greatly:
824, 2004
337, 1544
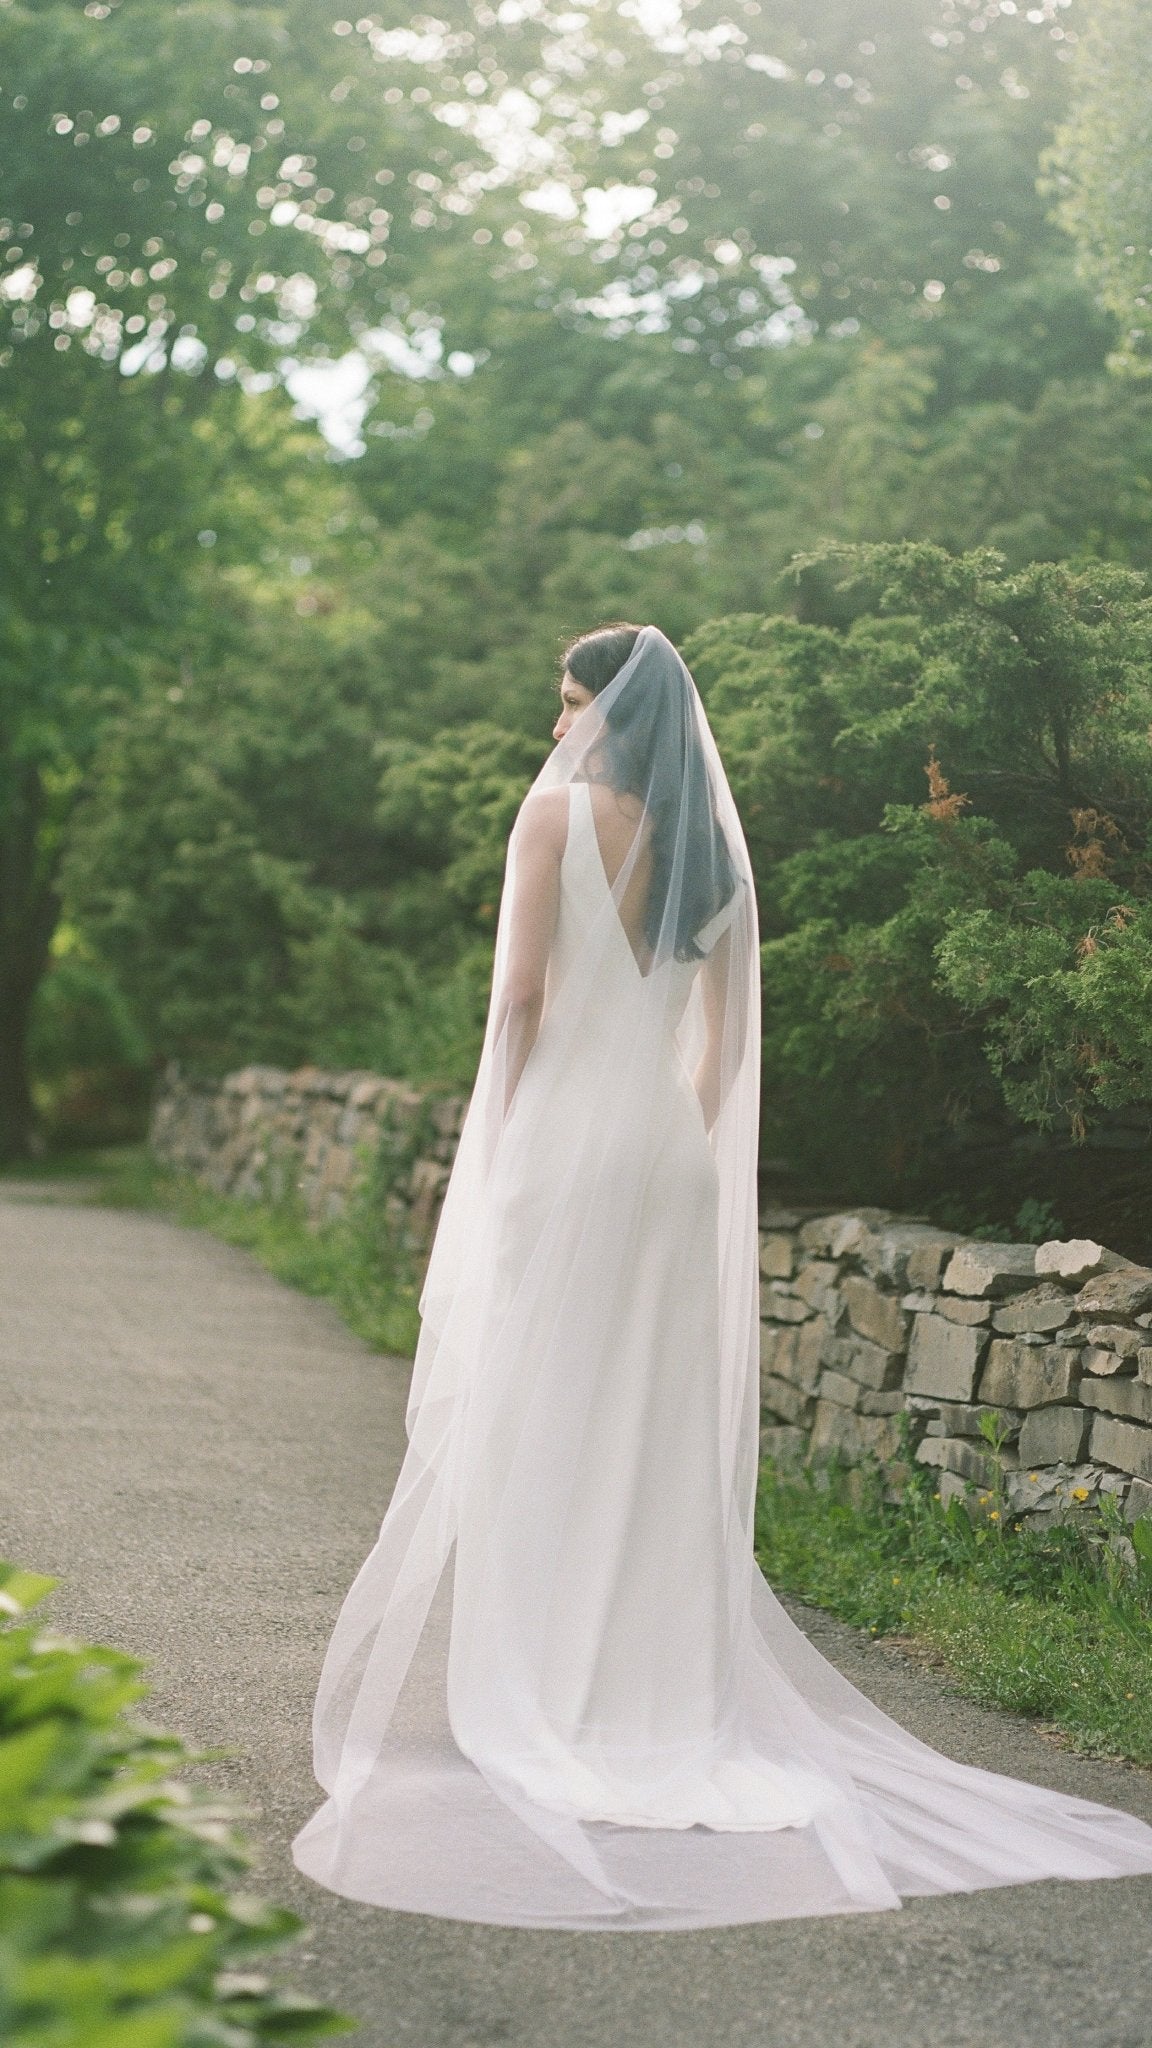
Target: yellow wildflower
1079, 1493
995, 1515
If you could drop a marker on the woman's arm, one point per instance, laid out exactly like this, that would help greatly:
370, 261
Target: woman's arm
541, 831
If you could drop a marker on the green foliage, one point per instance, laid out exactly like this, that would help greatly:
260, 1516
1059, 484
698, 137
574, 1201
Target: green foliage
934, 955
119, 1923
1099, 167
1055, 1621
1061, 974
264, 716
90, 1058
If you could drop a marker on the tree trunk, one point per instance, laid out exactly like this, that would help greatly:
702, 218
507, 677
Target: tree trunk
29, 908
17, 1115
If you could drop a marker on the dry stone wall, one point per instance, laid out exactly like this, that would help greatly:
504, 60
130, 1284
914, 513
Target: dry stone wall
261, 1132
868, 1318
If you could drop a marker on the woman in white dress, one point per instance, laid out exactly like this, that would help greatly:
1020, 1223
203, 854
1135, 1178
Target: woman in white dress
560, 1692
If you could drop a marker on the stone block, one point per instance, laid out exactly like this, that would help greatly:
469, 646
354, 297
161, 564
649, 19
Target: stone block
1130, 1398
1053, 1436
838, 1235
837, 1351
1127, 1445
815, 1281
889, 1251
1072, 1258
871, 1403
879, 1437
777, 1255
1139, 1501
838, 1432
1121, 1293
339, 1168
874, 1315
1115, 1337
963, 1418
960, 1308
429, 1179
1144, 1363
816, 1233
951, 1487
782, 1399
834, 1386
808, 1356
307, 1081
367, 1092
1041, 1309
869, 1364
927, 1262
1104, 1363
831, 1435
777, 1349
855, 1233
780, 1304
957, 1454
776, 1218
943, 1358
989, 1269
447, 1113
783, 1443
1022, 1376
1049, 1492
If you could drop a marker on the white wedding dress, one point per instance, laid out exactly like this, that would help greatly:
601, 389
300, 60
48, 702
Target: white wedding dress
560, 1692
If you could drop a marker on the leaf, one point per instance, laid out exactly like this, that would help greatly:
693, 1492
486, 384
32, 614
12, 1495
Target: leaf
23, 1762
21, 1590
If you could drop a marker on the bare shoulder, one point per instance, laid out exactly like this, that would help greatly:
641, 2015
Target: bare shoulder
542, 821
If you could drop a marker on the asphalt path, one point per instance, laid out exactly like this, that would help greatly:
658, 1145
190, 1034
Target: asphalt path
203, 1457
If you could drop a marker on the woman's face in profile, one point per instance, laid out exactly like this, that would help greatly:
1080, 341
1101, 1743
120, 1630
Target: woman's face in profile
574, 699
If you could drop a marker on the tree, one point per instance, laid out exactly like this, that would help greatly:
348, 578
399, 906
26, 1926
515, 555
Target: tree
1100, 169
137, 419
948, 807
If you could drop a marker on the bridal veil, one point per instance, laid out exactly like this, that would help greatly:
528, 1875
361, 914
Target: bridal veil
559, 1692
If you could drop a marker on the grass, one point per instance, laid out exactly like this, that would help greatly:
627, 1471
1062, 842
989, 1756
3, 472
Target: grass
350, 1261
1054, 1622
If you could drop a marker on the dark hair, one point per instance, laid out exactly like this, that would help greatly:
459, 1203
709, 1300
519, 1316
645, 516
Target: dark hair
594, 658
650, 748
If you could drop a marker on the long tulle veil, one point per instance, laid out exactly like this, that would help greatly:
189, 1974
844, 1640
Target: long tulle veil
559, 1692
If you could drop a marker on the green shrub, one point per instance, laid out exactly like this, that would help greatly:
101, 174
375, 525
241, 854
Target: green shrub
90, 1063
948, 805
119, 1927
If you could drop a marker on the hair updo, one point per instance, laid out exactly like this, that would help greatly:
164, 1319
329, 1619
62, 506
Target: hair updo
595, 658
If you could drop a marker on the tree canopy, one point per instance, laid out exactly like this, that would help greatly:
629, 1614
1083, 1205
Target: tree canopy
644, 315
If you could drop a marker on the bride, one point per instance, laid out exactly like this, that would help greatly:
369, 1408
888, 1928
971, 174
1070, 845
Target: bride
560, 1692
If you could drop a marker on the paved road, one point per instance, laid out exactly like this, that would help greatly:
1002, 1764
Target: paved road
204, 1456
